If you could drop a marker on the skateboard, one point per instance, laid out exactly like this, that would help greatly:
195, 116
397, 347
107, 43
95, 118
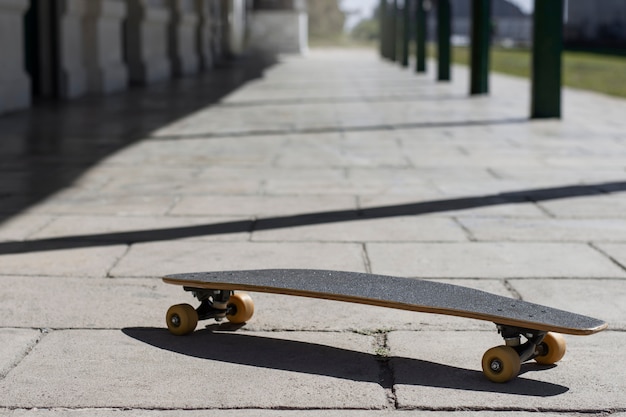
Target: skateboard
530, 331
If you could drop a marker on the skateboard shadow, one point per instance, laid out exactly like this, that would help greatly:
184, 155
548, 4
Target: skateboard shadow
317, 359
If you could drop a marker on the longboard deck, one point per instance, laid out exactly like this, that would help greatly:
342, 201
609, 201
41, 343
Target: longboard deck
395, 292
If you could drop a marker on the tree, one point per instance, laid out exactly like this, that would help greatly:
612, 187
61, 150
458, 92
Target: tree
326, 20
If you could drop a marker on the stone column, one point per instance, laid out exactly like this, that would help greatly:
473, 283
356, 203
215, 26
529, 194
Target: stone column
72, 73
183, 37
103, 46
481, 40
15, 89
217, 35
204, 34
547, 63
147, 41
281, 30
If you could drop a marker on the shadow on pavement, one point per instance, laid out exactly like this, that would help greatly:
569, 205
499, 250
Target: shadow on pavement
345, 129
316, 359
327, 217
45, 148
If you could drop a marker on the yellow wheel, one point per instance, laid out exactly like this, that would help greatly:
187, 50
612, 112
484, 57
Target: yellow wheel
241, 306
181, 319
501, 364
553, 346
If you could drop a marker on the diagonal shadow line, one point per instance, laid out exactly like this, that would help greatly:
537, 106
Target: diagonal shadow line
335, 129
317, 359
307, 219
338, 100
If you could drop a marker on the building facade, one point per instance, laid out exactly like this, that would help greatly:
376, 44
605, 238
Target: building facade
596, 23
64, 49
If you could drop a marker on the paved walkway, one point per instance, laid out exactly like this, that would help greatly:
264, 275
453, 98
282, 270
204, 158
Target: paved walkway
333, 161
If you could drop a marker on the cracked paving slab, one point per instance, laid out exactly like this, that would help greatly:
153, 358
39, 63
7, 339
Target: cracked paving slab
14, 345
150, 368
443, 369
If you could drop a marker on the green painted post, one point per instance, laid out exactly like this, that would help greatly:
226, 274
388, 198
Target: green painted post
444, 17
382, 16
481, 37
420, 36
393, 30
406, 32
546, 59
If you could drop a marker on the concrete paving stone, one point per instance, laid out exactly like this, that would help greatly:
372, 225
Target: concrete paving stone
616, 251
447, 206
345, 181
488, 188
315, 153
21, 226
491, 260
600, 206
158, 259
81, 260
268, 413
190, 151
601, 298
396, 229
141, 228
103, 174
261, 206
374, 183
222, 121
97, 303
282, 312
65, 303
14, 345
542, 230
130, 182
149, 368
250, 185
100, 204
127, 177
565, 176
443, 370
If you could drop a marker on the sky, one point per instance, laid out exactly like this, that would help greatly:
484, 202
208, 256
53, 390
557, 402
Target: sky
364, 8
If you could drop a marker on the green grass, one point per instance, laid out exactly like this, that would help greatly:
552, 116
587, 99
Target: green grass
601, 73
588, 71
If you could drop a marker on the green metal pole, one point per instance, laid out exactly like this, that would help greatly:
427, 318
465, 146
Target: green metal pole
406, 32
382, 16
444, 17
546, 59
481, 36
393, 31
420, 36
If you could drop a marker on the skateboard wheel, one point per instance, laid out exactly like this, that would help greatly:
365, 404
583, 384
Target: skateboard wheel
241, 306
554, 347
501, 364
181, 319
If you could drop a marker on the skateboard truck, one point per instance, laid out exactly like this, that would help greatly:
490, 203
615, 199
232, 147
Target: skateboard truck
214, 304
503, 363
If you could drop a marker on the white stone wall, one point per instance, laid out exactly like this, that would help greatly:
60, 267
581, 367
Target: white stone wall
14, 81
280, 31
103, 42
101, 46
147, 34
